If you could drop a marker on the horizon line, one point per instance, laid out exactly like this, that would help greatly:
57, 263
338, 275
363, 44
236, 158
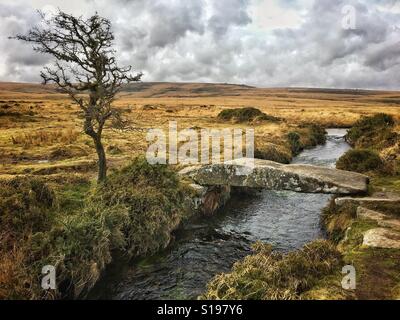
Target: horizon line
228, 84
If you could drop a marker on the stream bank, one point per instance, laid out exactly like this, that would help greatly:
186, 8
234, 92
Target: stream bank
206, 247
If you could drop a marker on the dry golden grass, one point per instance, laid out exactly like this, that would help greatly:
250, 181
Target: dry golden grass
41, 131
34, 120
41, 138
10, 262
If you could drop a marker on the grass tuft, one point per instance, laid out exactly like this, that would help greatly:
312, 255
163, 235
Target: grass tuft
247, 114
135, 211
268, 275
41, 138
373, 132
359, 160
148, 198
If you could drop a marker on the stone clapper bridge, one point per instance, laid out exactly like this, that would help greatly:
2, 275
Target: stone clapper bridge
264, 174
213, 185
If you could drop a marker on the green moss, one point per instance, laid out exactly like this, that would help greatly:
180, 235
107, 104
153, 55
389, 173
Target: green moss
150, 201
306, 137
377, 272
377, 269
247, 114
355, 233
370, 135
359, 160
372, 132
77, 243
329, 288
268, 275
25, 205
294, 142
379, 182
312, 135
318, 134
72, 196
80, 248
27, 213
135, 212
335, 220
273, 153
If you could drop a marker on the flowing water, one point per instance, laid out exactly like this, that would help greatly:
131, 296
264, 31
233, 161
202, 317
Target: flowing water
209, 246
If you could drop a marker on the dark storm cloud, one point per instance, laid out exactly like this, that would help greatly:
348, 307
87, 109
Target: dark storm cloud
322, 53
172, 21
384, 58
218, 41
19, 61
228, 13
156, 23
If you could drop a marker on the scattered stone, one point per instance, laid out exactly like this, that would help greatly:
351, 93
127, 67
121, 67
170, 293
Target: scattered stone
364, 213
391, 223
383, 220
382, 238
207, 200
365, 201
386, 195
215, 198
200, 190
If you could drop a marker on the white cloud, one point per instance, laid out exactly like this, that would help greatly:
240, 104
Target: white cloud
271, 14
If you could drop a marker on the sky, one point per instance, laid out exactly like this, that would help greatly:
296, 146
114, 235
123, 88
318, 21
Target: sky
265, 43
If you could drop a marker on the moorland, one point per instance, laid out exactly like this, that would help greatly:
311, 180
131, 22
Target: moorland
53, 212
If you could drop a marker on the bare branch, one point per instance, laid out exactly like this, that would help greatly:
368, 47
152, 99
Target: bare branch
85, 66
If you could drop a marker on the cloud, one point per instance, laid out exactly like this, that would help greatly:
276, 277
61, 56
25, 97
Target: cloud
227, 13
18, 61
227, 41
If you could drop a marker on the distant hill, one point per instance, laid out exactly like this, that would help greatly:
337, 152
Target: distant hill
27, 87
170, 89
143, 89
186, 90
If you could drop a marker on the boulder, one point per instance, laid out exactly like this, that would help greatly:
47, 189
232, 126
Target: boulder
382, 238
207, 199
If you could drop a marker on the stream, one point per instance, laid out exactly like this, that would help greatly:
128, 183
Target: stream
206, 247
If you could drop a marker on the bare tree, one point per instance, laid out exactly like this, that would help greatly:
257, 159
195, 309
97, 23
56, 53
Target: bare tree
85, 69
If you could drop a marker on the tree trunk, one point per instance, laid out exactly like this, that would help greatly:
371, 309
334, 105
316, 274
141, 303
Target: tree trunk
102, 165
